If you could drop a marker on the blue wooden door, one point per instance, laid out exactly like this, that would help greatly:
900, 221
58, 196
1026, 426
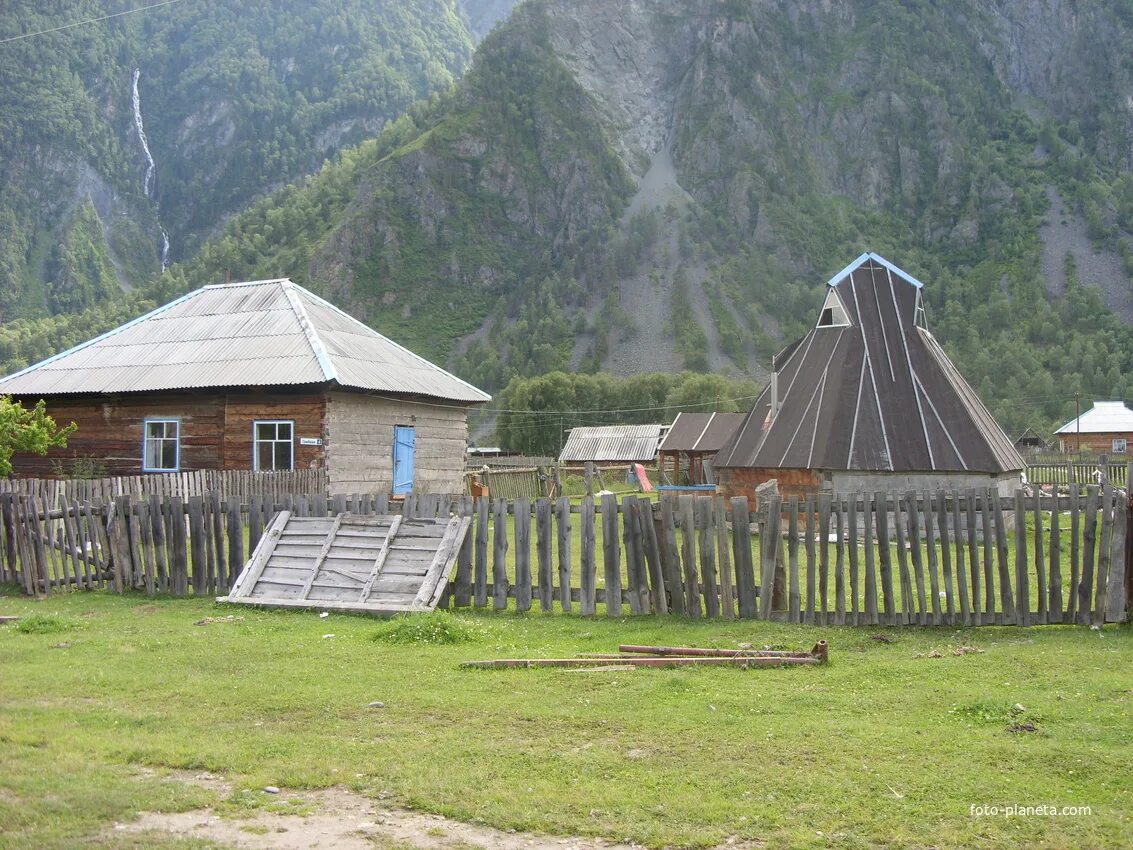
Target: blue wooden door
404, 449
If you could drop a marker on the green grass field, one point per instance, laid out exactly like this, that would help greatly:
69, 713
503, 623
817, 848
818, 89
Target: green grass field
890, 745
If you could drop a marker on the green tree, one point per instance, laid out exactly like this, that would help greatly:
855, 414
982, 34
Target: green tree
23, 430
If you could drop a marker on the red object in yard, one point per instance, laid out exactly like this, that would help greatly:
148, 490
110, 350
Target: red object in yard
642, 478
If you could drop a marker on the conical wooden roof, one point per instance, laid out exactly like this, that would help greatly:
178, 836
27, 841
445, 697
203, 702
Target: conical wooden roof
870, 389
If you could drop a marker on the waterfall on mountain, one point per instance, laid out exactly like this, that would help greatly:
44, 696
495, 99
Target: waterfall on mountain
151, 166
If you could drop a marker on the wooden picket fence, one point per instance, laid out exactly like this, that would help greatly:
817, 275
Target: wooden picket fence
58, 491
1063, 470
971, 558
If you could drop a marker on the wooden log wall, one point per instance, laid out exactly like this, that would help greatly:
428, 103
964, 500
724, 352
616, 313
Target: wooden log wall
943, 559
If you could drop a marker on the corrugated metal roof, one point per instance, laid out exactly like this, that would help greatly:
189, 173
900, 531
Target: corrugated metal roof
612, 444
700, 432
877, 394
260, 333
1105, 417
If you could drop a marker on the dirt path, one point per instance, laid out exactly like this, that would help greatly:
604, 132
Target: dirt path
339, 819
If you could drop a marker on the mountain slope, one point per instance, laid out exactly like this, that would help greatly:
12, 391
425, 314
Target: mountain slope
234, 99
665, 184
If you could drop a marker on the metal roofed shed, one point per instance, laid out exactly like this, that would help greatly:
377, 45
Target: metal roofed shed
261, 376
612, 444
367, 564
868, 400
692, 442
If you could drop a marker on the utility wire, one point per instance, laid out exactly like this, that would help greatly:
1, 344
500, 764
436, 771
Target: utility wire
88, 21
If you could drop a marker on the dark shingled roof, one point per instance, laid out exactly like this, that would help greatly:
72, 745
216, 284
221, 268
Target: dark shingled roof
869, 388
700, 432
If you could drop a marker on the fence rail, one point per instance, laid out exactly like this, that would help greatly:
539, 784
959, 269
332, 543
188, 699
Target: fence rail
971, 558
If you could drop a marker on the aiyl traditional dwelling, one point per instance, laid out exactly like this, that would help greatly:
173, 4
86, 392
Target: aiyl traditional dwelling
868, 401
261, 376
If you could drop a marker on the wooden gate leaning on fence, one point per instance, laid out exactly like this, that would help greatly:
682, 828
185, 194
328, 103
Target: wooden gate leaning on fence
887, 559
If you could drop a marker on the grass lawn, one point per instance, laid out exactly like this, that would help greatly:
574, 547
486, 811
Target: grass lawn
887, 746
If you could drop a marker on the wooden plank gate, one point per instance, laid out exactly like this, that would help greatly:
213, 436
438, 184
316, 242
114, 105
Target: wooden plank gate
384, 564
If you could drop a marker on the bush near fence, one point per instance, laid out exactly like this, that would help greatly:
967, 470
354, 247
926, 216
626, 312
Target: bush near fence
969, 558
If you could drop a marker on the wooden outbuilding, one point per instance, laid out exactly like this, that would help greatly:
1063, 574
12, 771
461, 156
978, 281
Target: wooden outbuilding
1029, 441
611, 445
1106, 428
261, 376
868, 401
693, 440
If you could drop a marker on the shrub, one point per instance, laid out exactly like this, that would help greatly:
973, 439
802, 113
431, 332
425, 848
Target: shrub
436, 627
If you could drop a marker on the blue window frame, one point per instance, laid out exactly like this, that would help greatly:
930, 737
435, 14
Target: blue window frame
161, 445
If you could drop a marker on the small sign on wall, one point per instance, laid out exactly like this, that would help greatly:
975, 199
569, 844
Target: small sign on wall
310, 441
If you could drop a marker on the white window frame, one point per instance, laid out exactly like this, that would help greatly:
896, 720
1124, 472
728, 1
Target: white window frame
839, 318
257, 442
1120, 445
164, 420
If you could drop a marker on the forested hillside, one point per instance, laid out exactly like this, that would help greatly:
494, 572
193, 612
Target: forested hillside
235, 99
667, 185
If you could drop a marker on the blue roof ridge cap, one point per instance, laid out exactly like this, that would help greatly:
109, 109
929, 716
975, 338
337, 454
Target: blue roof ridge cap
309, 329
880, 260
112, 332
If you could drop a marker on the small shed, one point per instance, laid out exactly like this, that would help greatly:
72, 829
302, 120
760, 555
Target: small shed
263, 376
1030, 441
868, 401
1106, 428
693, 440
612, 445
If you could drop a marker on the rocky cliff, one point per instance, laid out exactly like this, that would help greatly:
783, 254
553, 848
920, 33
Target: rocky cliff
666, 183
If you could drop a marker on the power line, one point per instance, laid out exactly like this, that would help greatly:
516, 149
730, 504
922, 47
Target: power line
552, 413
88, 21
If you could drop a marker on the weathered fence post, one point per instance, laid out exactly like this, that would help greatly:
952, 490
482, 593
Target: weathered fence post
543, 534
499, 555
688, 556
1022, 563
946, 557
885, 557
522, 510
723, 552
853, 546
1089, 540
649, 523
961, 575
1007, 597
741, 555
562, 522
793, 602
670, 558
770, 556
1054, 603
611, 555
869, 613
707, 545
480, 581
588, 577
